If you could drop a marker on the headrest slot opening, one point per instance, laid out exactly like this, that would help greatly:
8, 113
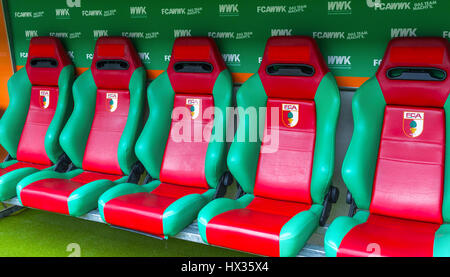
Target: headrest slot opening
295, 70
44, 63
416, 74
193, 67
112, 65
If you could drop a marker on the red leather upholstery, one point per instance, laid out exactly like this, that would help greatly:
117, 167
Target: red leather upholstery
408, 188
284, 172
283, 177
31, 145
184, 156
292, 50
182, 170
253, 229
198, 49
389, 237
144, 211
106, 131
52, 194
44, 98
112, 104
19, 165
409, 178
410, 169
416, 52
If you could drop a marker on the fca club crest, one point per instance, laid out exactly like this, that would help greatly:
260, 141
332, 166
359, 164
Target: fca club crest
111, 101
289, 115
194, 107
44, 98
413, 123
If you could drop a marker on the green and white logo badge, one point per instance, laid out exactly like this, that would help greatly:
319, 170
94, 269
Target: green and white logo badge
44, 98
413, 123
112, 100
193, 105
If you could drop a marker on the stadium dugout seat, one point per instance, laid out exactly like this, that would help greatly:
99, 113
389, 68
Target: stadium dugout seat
395, 168
99, 136
40, 97
190, 164
286, 184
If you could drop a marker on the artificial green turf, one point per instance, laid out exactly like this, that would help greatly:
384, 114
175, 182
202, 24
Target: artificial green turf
34, 233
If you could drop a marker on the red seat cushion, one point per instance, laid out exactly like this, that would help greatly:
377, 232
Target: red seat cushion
285, 166
19, 165
184, 157
144, 211
409, 177
389, 237
255, 228
52, 194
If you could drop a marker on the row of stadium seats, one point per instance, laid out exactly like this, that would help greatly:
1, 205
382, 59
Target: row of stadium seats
75, 145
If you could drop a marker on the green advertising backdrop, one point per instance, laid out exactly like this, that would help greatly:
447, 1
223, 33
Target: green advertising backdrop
352, 35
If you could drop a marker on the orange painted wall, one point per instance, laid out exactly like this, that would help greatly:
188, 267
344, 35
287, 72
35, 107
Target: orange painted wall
6, 69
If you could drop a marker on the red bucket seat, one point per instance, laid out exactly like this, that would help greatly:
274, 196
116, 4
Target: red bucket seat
190, 162
40, 103
395, 166
99, 136
286, 177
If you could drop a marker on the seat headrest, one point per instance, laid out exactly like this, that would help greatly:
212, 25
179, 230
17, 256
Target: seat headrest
292, 67
414, 72
194, 65
115, 60
46, 58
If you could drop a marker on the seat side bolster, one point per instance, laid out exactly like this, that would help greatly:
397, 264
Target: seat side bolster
441, 247
244, 152
327, 101
215, 159
45, 174
85, 198
358, 168
9, 181
151, 144
13, 120
75, 134
339, 228
123, 189
219, 206
446, 196
62, 113
183, 211
125, 153
296, 232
